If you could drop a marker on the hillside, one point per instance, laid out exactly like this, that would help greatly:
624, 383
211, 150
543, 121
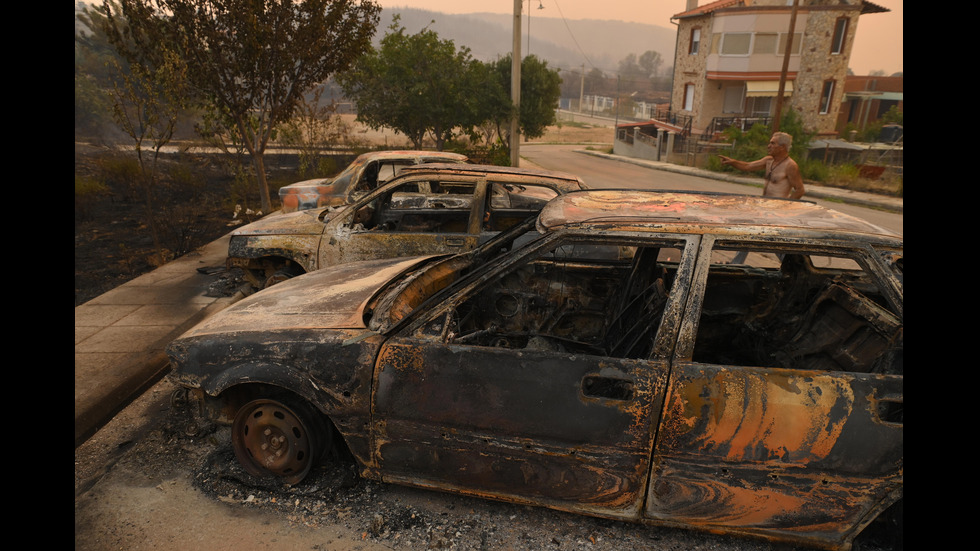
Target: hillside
564, 44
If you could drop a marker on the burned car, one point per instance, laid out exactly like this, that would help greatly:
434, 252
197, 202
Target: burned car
663, 384
365, 173
430, 208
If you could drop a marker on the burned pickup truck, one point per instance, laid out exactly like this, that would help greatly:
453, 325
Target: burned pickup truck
618, 365
430, 208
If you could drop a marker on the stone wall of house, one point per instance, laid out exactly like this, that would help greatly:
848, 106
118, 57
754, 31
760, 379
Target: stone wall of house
818, 65
690, 69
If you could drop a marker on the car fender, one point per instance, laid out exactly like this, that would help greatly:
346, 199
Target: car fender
301, 249
275, 374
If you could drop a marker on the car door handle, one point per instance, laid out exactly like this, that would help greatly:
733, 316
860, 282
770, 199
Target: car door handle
455, 242
606, 387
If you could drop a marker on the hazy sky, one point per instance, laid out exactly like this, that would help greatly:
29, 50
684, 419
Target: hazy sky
878, 45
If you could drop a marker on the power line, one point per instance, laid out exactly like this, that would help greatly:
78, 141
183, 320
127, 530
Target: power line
570, 33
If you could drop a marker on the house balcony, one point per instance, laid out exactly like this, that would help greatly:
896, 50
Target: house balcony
749, 67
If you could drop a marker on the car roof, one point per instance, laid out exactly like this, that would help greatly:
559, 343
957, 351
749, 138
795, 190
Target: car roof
489, 169
694, 212
399, 154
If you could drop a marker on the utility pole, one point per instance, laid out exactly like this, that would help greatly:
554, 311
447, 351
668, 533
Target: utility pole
581, 90
782, 75
515, 88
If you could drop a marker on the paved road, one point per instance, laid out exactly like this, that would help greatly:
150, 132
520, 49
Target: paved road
607, 171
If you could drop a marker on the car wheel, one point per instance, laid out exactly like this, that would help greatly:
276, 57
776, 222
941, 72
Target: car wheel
278, 277
276, 437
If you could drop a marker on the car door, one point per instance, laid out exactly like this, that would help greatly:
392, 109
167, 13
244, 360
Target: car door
409, 217
525, 408
783, 411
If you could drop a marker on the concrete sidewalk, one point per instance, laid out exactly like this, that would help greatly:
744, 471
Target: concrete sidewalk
120, 336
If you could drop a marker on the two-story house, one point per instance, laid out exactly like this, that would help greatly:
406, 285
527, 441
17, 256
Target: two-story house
730, 55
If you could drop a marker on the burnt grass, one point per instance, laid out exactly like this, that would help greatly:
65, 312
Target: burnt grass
195, 200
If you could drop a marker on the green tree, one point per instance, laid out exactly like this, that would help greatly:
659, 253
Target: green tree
416, 84
250, 59
540, 91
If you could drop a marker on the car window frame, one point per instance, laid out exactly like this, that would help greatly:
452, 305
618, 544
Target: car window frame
447, 300
864, 254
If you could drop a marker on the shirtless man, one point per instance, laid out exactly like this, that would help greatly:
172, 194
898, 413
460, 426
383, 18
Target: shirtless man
782, 173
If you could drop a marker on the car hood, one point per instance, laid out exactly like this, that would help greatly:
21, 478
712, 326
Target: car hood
304, 222
331, 298
316, 185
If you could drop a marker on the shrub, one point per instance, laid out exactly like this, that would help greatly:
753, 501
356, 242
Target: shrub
86, 186
814, 170
846, 173
122, 173
88, 190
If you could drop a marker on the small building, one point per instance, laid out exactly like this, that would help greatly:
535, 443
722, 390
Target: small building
867, 98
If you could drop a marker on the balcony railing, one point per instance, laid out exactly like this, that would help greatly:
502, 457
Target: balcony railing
720, 124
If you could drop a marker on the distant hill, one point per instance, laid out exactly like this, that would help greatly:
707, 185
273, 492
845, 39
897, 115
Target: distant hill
564, 44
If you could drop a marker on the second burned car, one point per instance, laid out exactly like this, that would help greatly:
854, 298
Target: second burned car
428, 209
365, 173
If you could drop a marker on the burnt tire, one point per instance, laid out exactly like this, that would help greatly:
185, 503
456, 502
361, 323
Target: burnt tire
282, 438
281, 275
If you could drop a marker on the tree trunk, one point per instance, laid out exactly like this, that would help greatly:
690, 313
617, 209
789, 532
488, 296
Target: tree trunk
258, 158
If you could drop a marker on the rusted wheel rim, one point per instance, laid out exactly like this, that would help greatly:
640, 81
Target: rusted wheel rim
277, 277
272, 438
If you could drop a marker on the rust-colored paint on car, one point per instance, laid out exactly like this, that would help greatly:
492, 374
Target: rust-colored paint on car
329, 300
733, 445
443, 424
748, 214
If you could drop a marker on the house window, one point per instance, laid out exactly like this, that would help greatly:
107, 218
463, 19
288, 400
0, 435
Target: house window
796, 43
759, 107
733, 99
765, 43
736, 43
695, 41
826, 96
688, 97
840, 33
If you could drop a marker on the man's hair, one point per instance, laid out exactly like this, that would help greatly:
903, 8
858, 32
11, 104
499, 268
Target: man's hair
783, 139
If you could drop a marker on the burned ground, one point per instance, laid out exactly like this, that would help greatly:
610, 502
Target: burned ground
195, 202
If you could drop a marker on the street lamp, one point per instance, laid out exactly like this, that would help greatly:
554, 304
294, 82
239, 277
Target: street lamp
515, 78
540, 7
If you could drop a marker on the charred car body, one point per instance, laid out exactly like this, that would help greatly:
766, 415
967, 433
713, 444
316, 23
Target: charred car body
430, 208
663, 384
365, 173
